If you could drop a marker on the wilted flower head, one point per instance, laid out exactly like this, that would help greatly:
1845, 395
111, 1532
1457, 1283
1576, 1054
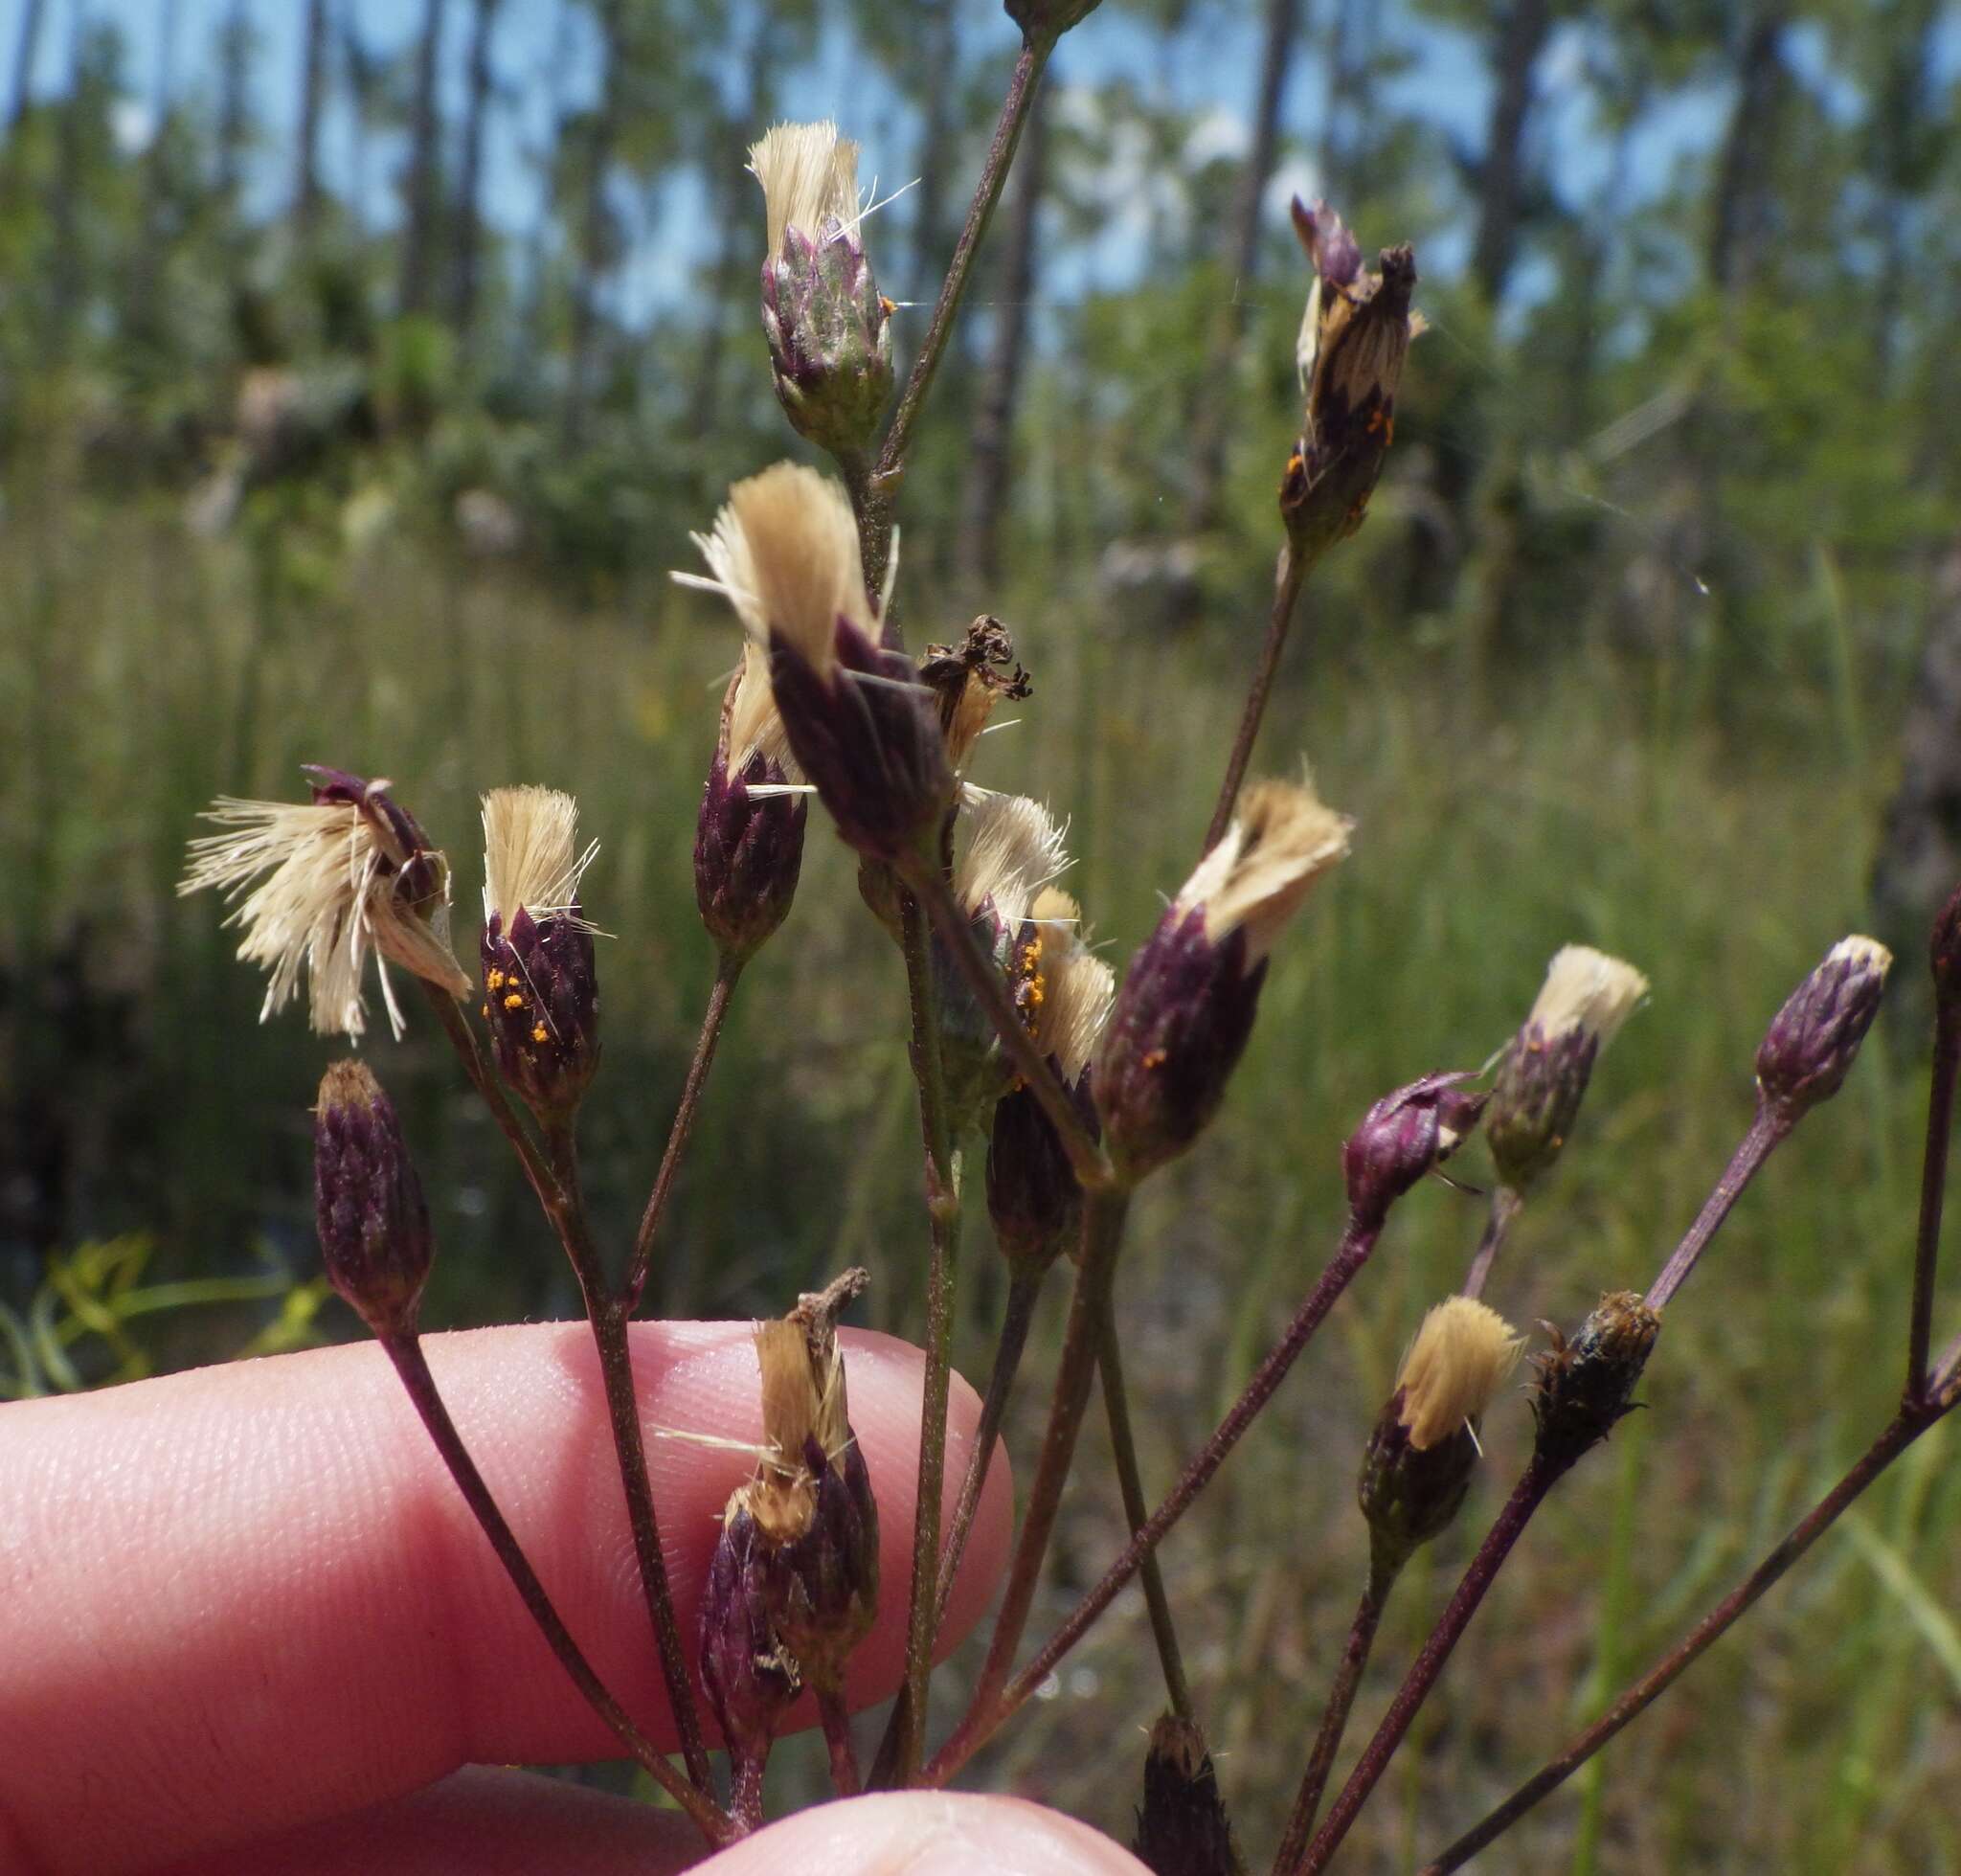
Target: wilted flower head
1354, 337
828, 330
1405, 1136
1186, 1007
1586, 1385
541, 994
864, 728
1536, 1098
1422, 1451
345, 874
1809, 1049
368, 1203
1182, 1826
969, 679
793, 1586
749, 836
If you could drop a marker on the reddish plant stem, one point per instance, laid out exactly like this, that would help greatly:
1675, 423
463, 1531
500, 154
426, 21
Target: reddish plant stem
994, 1703
405, 1351
1900, 1434
726, 975
837, 1737
608, 1314
1136, 1513
1290, 575
1771, 1127
1933, 1187
463, 1039
1506, 1203
1537, 1479
1025, 1286
1307, 1803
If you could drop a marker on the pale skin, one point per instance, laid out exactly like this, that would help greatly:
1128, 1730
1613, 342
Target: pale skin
246, 1624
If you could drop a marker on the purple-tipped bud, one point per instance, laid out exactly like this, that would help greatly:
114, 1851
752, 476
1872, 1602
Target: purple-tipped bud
1183, 1829
861, 725
829, 331
541, 986
748, 837
1586, 1385
794, 1584
1033, 1200
1405, 1136
368, 1203
1354, 338
1810, 1046
1535, 1094
1418, 1463
1943, 955
1187, 1003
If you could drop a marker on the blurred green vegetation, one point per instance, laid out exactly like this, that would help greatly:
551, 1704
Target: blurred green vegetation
1622, 656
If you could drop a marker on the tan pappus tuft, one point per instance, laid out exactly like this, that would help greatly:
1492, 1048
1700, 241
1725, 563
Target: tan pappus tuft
784, 554
531, 857
1867, 953
754, 725
1460, 1358
327, 874
803, 1397
809, 176
1282, 838
1587, 990
1013, 849
1077, 986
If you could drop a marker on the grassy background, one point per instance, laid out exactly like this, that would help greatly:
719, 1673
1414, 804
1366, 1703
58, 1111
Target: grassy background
1718, 834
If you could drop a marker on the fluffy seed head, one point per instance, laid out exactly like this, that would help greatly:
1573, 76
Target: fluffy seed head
531, 857
803, 1399
338, 877
1282, 839
1587, 991
1078, 986
784, 553
755, 728
1014, 848
1460, 1357
809, 176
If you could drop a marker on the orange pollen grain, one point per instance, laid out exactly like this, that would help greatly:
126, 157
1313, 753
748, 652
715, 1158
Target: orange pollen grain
538, 1034
513, 1002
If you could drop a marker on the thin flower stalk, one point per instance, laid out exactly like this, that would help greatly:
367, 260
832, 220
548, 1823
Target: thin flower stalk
405, 1351
1506, 1203
985, 1717
1290, 575
1327, 1742
1905, 1427
1767, 1132
1933, 1187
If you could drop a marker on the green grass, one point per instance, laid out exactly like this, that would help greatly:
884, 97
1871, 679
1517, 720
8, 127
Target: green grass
1499, 816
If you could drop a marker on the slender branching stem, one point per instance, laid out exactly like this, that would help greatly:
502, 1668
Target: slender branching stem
1771, 1127
991, 1707
1933, 1187
745, 1794
1290, 575
1368, 1615
1912, 1420
1506, 1203
1538, 1479
880, 490
608, 1314
1137, 1512
1025, 1286
1086, 1155
405, 1351
463, 1039
713, 1019
837, 1738
944, 1217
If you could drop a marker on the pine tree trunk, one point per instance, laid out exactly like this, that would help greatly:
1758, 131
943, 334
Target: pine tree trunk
1739, 224
24, 48
990, 456
1520, 38
469, 216
419, 231
1211, 417
312, 96
142, 309
585, 310
933, 242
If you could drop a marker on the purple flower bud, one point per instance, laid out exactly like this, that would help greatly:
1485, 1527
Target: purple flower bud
1405, 1136
1186, 1007
1810, 1046
1586, 1385
1033, 1200
748, 1677
541, 990
1354, 338
1183, 1829
829, 331
367, 1204
747, 843
1944, 954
